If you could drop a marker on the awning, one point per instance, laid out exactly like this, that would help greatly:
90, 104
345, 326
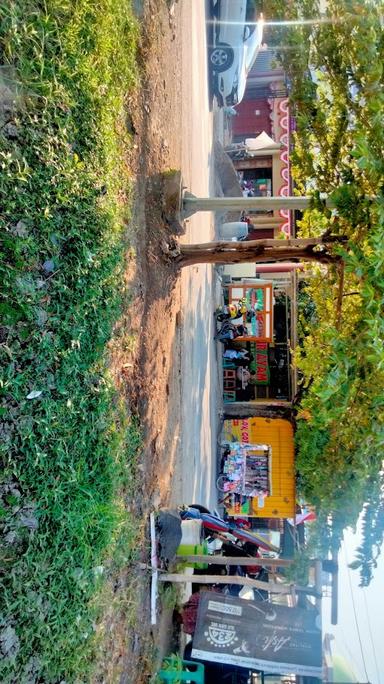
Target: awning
261, 142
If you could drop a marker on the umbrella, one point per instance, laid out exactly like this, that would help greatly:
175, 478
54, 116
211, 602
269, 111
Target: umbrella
306, 516
216, 524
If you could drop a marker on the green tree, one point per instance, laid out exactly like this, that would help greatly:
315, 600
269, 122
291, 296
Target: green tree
372, 528
335, 68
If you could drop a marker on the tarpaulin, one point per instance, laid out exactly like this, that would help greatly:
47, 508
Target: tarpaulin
259, 636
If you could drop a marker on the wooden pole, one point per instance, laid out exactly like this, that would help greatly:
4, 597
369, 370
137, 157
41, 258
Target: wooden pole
335, 591
271, 587
318, 584
339, 302
226, 579
237, 560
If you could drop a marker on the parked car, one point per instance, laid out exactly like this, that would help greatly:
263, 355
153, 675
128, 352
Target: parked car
237, 37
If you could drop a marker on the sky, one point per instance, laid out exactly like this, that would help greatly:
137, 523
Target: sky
369, 621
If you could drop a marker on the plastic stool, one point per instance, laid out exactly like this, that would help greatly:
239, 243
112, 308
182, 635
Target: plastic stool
196, 675
229, 374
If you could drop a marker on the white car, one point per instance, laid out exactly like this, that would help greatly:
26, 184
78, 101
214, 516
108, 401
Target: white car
237, 37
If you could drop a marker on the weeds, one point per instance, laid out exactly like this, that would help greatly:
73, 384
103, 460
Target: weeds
170, 597
67, 450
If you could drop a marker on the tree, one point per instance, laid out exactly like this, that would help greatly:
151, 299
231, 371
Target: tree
305, 249
372, 527
334, 68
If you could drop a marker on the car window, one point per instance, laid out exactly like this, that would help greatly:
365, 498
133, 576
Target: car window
248, 30
251, 46
251, 11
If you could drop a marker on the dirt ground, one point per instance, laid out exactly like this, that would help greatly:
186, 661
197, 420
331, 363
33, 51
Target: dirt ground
146, 359
152, 382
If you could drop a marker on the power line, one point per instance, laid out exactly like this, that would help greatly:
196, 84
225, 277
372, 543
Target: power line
354, 611
351, 655
371, 637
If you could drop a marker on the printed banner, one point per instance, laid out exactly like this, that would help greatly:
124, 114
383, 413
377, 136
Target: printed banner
259, 363
240, 430
258, 636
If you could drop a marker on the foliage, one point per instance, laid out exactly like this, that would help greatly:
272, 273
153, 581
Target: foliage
372, 530
67, 451
335, 71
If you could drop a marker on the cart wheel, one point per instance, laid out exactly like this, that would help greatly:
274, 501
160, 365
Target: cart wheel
221, 482
200, 508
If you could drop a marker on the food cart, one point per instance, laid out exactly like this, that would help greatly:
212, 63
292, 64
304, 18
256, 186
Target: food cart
275, 482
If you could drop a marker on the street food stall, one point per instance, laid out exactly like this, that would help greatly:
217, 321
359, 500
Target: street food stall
246, 471
258, 473
257, 360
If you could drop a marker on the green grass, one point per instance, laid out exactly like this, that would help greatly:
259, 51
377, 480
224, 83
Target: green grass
67, 455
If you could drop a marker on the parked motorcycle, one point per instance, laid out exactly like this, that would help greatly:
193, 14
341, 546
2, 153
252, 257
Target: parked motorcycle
230, 331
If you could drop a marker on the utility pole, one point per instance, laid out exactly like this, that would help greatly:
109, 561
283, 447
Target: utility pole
192, 204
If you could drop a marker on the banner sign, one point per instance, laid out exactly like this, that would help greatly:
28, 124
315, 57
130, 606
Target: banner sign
258, 636
259, 363
241, 430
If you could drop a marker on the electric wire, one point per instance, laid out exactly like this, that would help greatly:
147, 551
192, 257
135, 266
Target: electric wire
354, 613
351, 655
371, 637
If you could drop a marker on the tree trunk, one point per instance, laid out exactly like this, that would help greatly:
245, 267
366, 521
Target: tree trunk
303, 249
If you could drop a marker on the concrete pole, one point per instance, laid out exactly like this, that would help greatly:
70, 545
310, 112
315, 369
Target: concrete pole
192, 204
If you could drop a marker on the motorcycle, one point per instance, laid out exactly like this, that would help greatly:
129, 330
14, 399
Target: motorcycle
230, 331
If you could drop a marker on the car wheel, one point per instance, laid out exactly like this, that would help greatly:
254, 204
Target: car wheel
221, 57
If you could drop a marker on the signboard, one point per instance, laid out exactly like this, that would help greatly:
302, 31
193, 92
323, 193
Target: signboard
258, 636
240, 430
259, 364
259, 301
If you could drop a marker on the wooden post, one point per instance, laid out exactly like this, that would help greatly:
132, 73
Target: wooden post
237, 560
318, 584
226, 579
271, 587
335, 590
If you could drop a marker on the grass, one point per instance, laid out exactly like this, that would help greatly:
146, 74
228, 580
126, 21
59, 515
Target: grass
67, 450
169, 596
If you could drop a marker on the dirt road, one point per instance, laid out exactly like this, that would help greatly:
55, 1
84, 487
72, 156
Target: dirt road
178, 354
194, 473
